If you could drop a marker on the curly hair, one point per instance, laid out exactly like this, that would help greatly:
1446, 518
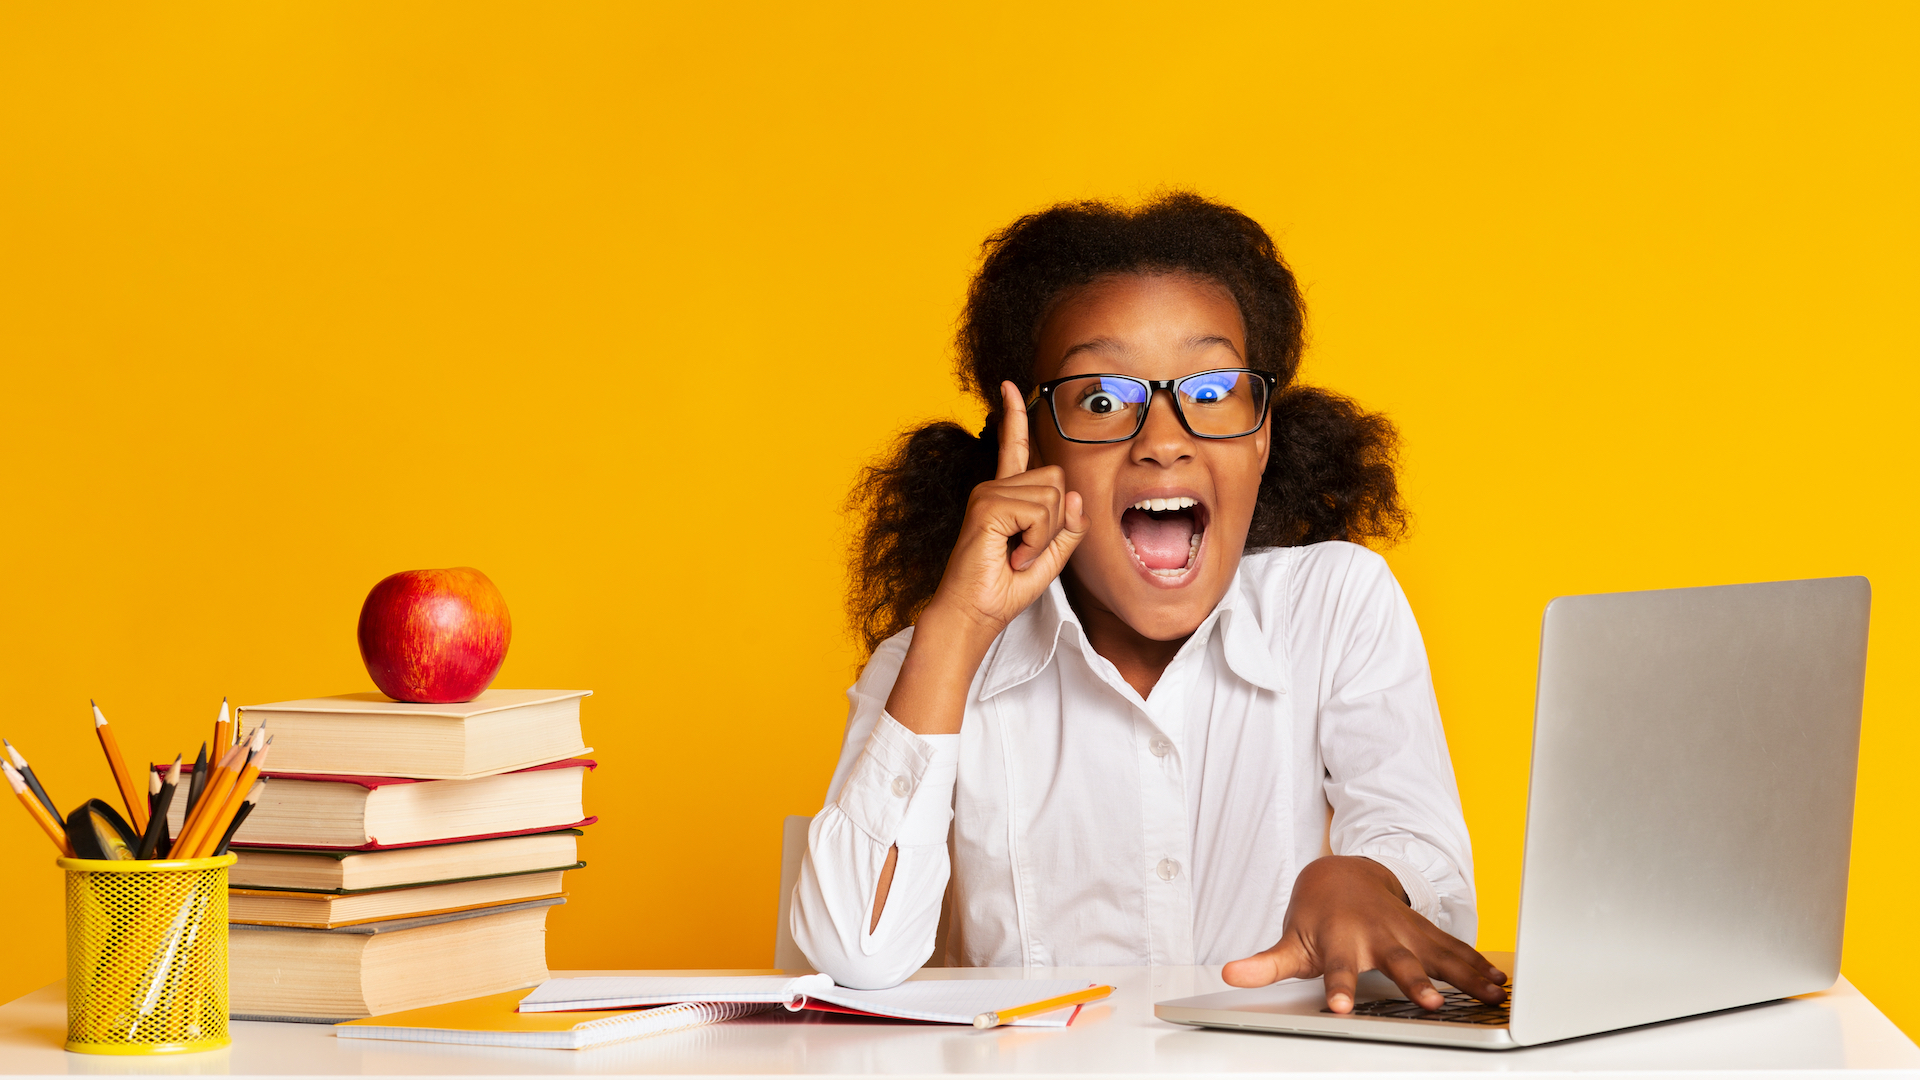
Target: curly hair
1331, 472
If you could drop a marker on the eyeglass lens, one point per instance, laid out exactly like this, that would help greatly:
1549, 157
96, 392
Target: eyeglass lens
1098, 408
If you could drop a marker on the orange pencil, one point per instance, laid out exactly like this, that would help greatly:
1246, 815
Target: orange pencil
1019, 1012
223, 728
208, 840
134, 796
47, 821
212, 798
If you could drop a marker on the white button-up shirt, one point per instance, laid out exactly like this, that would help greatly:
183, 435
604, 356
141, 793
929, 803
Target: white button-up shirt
1081, 825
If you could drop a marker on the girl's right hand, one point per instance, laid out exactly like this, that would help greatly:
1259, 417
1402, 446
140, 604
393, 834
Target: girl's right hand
986, 584
989, 579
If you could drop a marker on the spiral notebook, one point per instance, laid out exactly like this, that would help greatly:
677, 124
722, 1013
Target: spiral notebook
493, 1021
934, 1001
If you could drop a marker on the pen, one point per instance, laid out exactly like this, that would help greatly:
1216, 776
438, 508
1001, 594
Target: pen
129, 794
1004, 1016
33, 782
49, 823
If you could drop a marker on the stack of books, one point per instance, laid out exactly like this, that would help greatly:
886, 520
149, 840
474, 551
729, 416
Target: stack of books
403, 855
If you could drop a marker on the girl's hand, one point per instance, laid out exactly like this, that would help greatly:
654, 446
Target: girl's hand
990, 578
1347, 916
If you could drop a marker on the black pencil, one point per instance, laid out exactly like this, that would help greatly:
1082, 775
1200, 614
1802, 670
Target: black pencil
157, 824
33, 782
198, 781
239, 816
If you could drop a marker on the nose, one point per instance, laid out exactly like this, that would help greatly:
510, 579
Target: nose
1163, 440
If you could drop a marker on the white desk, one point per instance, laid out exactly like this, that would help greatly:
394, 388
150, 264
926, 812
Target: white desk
1820, 1034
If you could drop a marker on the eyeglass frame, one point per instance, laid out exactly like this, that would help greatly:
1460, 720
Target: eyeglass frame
1154, 386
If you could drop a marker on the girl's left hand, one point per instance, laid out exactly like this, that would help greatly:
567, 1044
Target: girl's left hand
1347, 915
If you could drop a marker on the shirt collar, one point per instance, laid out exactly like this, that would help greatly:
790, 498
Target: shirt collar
1029, 642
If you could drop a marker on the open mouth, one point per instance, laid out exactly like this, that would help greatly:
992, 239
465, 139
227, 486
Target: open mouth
1164, 535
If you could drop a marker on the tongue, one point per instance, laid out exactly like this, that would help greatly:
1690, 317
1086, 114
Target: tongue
1162, 543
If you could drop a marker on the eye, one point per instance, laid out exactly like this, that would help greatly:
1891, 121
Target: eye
1210, 388
1106, 396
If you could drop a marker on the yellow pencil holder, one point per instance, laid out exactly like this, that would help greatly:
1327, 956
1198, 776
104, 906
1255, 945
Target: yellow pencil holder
146, 955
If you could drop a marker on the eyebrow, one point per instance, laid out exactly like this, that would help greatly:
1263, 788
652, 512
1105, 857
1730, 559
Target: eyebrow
1107, 344
1099, 344
1204, 341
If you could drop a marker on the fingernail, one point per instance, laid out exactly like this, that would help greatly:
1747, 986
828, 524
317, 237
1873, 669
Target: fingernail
1339, 1001
1499, 976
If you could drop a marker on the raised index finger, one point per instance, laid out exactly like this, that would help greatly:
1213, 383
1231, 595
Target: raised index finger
1013, 433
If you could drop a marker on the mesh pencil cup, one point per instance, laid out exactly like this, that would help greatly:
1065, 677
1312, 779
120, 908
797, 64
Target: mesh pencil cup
146, 955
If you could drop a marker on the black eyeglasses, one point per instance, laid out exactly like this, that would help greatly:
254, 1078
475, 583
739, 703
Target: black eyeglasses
1225, 403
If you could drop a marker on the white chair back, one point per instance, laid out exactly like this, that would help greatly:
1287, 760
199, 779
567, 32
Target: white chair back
793, 847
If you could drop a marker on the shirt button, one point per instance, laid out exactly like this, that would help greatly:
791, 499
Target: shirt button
901, 786
1161, 746
1168, 869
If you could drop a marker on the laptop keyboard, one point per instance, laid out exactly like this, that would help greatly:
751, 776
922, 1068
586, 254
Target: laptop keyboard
1457, 1008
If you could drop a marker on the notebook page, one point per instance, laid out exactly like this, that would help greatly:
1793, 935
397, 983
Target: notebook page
958, 1001
568, 995
580, 1036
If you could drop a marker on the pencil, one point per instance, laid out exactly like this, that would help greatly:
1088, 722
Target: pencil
213, 801
131, 795
1005, 1016
213, 794
242, 787
198, 811
240, 815
48, 823
222, 728
198, 781
163, 801
33, 782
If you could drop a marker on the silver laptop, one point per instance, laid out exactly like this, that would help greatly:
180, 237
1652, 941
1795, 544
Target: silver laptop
1688, 823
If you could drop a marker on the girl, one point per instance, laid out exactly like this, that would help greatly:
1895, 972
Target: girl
1134, 696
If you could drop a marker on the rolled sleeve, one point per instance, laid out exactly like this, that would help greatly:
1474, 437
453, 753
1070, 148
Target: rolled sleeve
892, 790
900, 790
1420, 895
1389, 777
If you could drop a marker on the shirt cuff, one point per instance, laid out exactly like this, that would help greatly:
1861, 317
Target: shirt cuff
1420, 895
930, 809
901, 787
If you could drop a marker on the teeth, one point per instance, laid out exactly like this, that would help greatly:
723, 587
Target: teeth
1179, 502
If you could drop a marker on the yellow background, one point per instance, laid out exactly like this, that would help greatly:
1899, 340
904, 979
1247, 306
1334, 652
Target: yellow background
296, 296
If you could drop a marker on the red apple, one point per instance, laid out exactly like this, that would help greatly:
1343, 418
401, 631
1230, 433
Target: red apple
434, 635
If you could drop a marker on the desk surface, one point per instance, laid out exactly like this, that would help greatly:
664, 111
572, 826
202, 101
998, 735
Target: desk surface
1837, 1030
